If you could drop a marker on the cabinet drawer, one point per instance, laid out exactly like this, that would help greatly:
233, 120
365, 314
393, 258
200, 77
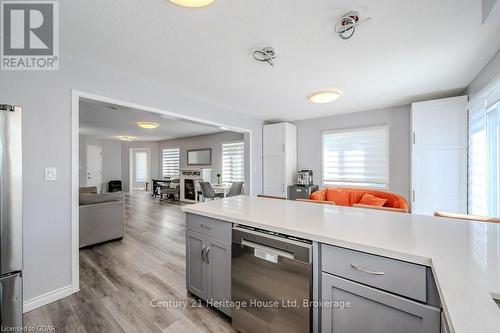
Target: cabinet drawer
210, 227
366, 309
398, 277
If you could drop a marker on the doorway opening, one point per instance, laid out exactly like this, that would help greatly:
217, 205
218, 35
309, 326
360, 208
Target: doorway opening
144, 156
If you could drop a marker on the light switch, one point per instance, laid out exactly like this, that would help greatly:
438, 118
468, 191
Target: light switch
50, 174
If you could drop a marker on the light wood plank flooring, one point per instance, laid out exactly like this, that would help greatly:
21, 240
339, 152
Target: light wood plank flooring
119, 279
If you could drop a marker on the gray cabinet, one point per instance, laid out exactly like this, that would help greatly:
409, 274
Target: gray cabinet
208, 260
362, 292
195, 264
366, 309
219, 272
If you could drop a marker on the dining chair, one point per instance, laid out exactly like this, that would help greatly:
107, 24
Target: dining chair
468, 217
208, 191
236, 189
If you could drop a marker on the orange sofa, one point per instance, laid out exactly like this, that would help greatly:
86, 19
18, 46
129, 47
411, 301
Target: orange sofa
346, 196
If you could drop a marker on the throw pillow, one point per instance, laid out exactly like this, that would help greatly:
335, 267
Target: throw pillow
372, 200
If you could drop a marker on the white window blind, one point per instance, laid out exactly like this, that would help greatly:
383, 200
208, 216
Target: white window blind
493, 159
171, 162
477, 185
357, 157
141, 166
233, 161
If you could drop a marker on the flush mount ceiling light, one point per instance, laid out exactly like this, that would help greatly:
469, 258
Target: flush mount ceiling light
325, 96
147, 125
125, 138
192, 3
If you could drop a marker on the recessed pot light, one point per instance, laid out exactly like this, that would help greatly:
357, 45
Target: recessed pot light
147, 125
192, 3
325, 96
125, 138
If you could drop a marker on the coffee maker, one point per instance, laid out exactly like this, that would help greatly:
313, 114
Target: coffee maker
304, 177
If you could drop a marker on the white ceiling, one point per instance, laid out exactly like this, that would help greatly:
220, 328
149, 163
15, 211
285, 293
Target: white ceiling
108, 121
411, 50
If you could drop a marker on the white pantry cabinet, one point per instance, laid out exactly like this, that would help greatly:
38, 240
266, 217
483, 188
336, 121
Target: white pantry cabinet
439, 156
279, 158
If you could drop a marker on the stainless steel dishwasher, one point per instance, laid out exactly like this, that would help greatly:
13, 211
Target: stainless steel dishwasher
271, 278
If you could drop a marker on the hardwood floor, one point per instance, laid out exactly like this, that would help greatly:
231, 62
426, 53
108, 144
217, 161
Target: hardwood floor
120, 279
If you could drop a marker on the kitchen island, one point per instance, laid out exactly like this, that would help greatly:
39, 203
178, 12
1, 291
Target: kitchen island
464, 257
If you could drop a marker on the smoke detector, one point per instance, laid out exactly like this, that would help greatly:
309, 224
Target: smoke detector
347, 24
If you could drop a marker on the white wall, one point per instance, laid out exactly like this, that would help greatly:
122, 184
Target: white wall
154, 165
398, 119
213, 141
489, 73
46, 101
111, 159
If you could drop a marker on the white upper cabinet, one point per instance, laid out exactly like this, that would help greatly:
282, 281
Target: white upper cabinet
280, 158
439, 156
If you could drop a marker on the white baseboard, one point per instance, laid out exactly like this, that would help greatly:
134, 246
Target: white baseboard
51, 296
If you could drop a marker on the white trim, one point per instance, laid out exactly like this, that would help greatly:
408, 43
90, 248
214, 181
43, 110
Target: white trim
51, 296
75, 180
75, 128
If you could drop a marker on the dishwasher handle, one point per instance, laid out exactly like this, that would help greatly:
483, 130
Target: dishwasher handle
266, 252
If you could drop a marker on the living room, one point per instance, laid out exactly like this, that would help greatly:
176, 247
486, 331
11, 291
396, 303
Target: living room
376, 116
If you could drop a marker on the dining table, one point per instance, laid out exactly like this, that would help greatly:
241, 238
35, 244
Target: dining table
222, 188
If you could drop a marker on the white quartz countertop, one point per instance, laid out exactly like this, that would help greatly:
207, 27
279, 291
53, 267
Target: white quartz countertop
464, 256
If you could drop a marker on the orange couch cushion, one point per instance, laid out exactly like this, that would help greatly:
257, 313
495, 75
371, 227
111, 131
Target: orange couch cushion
346, 196
371, 200
341, 197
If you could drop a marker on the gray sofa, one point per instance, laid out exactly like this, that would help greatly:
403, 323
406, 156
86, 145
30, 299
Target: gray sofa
102, 216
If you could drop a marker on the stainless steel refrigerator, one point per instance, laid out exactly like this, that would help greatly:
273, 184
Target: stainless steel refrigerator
11, 218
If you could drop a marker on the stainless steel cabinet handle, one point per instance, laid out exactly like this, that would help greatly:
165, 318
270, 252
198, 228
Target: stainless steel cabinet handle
206, 255
366, 271
203, 252
206, 226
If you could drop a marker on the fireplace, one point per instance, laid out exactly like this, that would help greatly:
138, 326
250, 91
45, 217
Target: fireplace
189, 189
190, 183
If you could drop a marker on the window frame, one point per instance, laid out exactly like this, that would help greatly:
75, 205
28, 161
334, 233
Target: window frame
385, 186
162, 161
222, 158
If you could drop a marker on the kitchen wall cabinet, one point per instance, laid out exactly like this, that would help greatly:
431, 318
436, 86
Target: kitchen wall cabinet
279, 158
208, 259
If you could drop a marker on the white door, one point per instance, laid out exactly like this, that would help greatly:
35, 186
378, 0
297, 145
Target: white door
94, 166
274, 160
139, 168
439, 156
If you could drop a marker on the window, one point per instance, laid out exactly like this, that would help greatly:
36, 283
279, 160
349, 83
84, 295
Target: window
358, 157
141, 166
477, 170
171, 162
484, 154
233, 161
